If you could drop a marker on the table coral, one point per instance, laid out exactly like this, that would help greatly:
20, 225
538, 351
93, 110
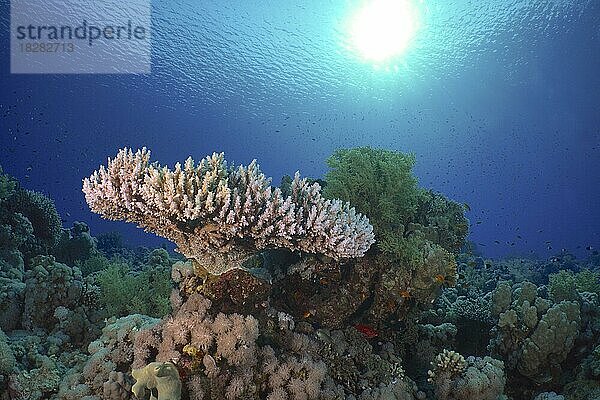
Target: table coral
218, 215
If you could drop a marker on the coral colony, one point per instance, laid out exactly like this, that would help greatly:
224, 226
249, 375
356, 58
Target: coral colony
360, 286
220, 216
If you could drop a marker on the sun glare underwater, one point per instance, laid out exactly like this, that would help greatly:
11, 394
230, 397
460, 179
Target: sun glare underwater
384, 29
300, 200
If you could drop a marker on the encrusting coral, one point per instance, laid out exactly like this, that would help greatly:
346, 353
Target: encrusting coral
159, 377
218, 215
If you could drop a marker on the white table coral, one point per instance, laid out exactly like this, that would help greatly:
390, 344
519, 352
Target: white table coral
219, 215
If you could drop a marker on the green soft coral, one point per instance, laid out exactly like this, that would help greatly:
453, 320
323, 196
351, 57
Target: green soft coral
567, 285
380, 184
124, 292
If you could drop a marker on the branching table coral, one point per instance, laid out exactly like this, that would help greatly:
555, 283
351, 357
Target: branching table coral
218, 215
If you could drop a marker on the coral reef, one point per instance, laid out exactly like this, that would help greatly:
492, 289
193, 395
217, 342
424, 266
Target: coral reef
287, 300
417, 232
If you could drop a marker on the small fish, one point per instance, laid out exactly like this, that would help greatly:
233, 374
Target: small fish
497, 241
405, 294
588, 248
439, 278
366, 330
467, 207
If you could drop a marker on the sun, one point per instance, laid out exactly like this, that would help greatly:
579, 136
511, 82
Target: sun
383, 29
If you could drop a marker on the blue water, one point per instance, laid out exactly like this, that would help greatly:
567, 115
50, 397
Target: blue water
500, 101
